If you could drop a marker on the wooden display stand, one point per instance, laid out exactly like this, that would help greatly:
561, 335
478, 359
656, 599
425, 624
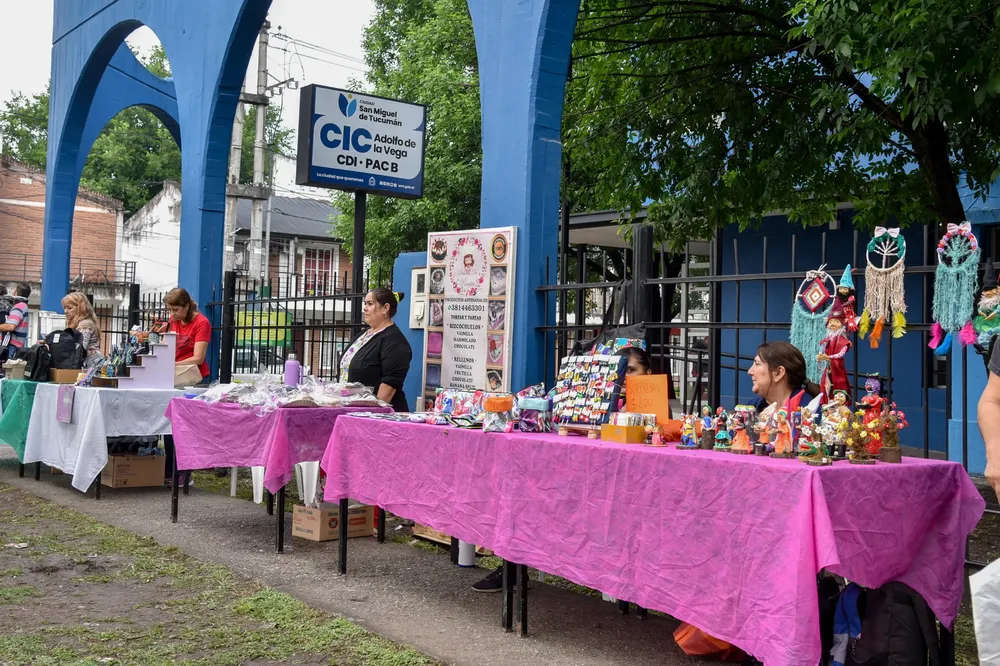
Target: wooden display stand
592, 432
432, 535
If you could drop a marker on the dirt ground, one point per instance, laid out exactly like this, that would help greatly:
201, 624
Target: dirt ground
77, 591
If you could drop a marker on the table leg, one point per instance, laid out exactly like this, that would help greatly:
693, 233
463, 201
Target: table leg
187, 482
453, 550
641, 612
20, 471
342, 537
380, 534
97, 487
507, 603
233, 477
38, 470
947, 647
281, 520
522, 598
174, 494
623, 607
270, 502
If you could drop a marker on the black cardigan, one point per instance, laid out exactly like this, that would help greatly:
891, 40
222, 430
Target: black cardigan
385, 359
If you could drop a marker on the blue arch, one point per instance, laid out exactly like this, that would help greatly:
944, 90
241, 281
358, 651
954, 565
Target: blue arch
208, 45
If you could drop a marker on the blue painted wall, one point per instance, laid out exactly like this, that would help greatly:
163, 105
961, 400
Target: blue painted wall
746, 303
401, 271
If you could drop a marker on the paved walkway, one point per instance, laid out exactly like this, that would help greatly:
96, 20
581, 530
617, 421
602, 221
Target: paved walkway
406, 594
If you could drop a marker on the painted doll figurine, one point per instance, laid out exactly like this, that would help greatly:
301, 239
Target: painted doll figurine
783, 435
846, 297
836, 414
763, 430
741, 439
707, 428
688, 440
833, 349
874, 405
723, 439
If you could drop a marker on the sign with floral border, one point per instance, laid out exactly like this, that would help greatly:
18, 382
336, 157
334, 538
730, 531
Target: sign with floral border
467, 267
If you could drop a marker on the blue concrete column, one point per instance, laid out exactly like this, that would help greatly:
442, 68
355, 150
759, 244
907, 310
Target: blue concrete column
401, 271
524, 51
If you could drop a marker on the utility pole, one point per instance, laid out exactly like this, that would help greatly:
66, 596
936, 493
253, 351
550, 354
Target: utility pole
259, 254
235, 159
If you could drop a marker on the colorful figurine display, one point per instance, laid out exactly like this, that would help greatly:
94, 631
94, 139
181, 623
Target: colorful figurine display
836, 415
857, 439
846, 299
707, 428
956, 282
741, 440
782, 436
688, 429
811, 451
893, 420
722, 436
833, 349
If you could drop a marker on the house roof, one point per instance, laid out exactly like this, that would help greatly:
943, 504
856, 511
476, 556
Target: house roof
14, 166
293, 216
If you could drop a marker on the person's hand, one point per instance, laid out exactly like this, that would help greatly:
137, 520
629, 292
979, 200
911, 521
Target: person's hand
993, 476
822, 357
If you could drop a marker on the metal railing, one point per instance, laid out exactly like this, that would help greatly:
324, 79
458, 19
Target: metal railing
83, 271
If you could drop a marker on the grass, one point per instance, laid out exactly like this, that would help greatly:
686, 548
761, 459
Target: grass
165, 607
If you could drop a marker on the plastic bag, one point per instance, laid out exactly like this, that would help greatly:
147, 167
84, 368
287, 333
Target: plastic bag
985, 587
696, 643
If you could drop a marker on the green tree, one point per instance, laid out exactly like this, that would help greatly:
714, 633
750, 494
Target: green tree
424, 51
720, 111
134, 153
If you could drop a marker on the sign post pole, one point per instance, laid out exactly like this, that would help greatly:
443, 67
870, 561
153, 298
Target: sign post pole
358, 254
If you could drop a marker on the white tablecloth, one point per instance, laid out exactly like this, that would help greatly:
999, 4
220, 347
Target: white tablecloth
80, 448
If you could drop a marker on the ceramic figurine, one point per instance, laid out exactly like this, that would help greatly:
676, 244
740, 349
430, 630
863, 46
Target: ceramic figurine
846, 298
741, 439
707, 428
833, 349
763, 430
811, 450
893, 420
783, 436
688, 429
657, 439
723, 439
835, 414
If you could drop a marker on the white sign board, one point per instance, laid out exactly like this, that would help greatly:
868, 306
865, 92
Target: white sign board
349, 141
470, 291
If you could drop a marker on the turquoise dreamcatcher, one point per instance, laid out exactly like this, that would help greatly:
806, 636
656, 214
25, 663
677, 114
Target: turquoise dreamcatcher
813, 300
956, 282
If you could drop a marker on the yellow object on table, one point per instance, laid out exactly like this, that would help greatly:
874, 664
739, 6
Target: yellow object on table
623, 434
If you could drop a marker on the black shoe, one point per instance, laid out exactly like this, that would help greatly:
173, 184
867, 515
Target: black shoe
492, 583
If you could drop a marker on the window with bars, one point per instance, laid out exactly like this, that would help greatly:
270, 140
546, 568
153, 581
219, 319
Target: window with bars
317, 272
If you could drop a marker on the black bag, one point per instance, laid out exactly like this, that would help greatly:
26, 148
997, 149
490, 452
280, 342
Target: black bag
39, 362
67, 350
897, 629
829, 591
633, 331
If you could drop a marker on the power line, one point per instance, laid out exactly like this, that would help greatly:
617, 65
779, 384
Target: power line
328, 62
321, 49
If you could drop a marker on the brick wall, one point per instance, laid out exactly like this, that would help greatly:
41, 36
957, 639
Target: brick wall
22, 221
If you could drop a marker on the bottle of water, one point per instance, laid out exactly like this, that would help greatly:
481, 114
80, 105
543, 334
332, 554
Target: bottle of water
293, 371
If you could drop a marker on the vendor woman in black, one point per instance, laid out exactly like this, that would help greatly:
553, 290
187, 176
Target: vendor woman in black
380, 357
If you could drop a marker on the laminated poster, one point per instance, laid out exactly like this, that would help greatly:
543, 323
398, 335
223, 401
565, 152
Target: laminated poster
471, 278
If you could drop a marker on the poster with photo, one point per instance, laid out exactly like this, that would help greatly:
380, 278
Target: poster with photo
470, 277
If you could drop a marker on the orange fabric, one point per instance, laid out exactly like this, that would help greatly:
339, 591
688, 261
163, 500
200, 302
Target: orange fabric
498, 403
696, 643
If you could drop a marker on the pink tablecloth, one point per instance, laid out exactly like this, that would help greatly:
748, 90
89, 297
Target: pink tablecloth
731, 544
210, 435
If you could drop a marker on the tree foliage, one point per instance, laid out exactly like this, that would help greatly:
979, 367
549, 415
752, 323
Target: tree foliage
424, 51
134, 153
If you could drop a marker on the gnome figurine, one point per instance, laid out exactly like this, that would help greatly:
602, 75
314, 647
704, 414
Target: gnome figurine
833, 349
846, 298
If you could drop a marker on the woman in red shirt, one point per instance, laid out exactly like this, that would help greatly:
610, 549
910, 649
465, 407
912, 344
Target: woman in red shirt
193, 330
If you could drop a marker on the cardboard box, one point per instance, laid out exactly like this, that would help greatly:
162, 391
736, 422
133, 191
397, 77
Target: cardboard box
64, 376
623, 434
134, 471
323, 523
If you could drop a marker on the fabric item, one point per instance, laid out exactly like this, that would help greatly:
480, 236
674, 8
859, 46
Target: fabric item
956, 280
80, 448
809, 319
846, 280
696, 643
20, 317
985, 589
210, 435
16, 396
885, 299
385, 359
739, 561
898, 629
199, 330
345, 362
846, 623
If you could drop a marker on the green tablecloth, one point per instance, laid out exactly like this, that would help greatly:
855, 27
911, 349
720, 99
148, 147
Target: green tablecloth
17, 397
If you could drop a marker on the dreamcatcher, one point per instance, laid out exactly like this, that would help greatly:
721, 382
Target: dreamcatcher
885, 302
813, 300
956, 282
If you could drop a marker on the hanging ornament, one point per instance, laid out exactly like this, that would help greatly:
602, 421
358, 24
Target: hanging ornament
846, 297
813, 301
885, 302
956, 282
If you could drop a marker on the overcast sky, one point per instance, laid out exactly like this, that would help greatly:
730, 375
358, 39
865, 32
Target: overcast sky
25, 49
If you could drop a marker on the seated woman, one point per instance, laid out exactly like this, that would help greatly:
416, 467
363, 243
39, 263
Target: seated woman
80, 316
779, 380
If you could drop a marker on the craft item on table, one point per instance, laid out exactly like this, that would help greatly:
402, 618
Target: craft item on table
533, 391
64, 404
722, 437
14, 368
654, 436
857, 439
832, 350
631, 419
893, 420
783, 436
846, 296
836, 416
885, 299
873, 403
534, 415
741, 439
813, 300
615, 346
270, 393
498, 413
591, 393
688, 429
809, 447
459, 403
764, 427
707, 428
956, 282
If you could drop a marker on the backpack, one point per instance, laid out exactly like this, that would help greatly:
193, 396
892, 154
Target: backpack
66, 348
897, 629
39, 362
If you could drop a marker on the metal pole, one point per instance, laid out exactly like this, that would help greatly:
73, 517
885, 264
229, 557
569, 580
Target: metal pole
358, 254
235, 159
257, 253
228, 334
